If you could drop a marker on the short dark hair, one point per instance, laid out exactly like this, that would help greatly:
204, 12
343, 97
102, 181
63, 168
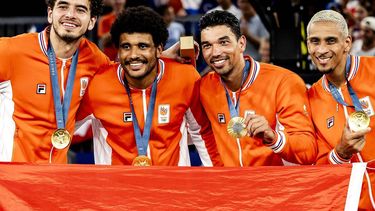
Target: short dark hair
217, 18
162, 9
96, 6
140, 19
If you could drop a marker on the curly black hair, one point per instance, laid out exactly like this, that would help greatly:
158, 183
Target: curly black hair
140, 19
96, 6
216, 18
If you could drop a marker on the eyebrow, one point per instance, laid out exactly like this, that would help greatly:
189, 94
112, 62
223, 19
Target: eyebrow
220, 39
67, 3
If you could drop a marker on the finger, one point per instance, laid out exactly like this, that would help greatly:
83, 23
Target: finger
197, 50
258, 125
360, 133
358, 146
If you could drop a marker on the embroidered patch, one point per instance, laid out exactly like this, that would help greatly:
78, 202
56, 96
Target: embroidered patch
330, 122
84, 83
128, 117
248, 112
163, 113
41, 89
367, 106
221, 118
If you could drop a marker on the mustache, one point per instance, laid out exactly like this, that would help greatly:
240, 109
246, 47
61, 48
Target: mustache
128, 61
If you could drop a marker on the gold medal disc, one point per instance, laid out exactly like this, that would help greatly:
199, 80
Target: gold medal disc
142, 160
358, 120
236, 127
60, 138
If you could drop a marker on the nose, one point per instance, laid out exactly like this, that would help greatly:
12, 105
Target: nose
216, 50
70, 12
322, 48
133, 53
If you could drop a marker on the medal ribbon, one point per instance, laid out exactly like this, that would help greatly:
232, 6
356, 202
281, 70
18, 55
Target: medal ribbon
142, 140
61, 109
234, 110
335, 93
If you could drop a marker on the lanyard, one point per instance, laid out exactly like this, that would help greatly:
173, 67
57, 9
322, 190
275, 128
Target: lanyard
335, 93
234, 110
142, 140
61, 109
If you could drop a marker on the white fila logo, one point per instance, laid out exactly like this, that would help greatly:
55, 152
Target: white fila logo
41, 89
330, 122
221, 118
128, 117
84, 83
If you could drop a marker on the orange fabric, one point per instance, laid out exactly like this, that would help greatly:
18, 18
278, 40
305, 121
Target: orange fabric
79, 187
104, 27
277, 94
24, 66
177, 97
329, 117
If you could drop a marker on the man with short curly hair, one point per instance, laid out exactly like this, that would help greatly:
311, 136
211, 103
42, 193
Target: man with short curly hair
145, 106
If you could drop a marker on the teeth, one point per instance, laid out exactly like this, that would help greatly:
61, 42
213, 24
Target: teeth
324, 59
219, 61
69, 24
135, 64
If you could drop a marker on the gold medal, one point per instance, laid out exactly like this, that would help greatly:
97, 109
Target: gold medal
236, 127
358, 120
142, 160
60, 138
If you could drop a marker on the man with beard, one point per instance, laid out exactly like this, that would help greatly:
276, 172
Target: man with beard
145, 106
341, 101
43, 77
259, 112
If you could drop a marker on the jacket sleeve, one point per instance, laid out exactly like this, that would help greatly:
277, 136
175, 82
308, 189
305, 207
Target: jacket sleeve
6, 59
296, 141
200, 131
327, 155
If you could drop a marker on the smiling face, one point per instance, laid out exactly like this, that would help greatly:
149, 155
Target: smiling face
327, 46
138, 55
70, 19
221, 50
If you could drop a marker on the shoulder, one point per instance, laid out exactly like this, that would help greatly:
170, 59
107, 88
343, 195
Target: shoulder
183, 70
92, 52
315, 89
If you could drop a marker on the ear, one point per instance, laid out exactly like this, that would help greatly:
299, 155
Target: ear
159, 50
348, 44
242, 43
92, 23
49, 14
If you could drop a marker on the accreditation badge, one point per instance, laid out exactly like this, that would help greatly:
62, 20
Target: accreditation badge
60, 138
236, 127
142, 160
358, 120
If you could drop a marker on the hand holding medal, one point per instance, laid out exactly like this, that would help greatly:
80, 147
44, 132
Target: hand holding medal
237, 127
257, 126
358, 120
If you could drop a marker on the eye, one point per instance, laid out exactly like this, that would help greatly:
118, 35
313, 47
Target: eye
314, 41
62, 6
142, 46
125, 46
331, 41
224, 42
206, 46
81, 10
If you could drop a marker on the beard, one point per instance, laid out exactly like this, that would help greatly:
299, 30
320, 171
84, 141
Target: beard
68, 38
326, 71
